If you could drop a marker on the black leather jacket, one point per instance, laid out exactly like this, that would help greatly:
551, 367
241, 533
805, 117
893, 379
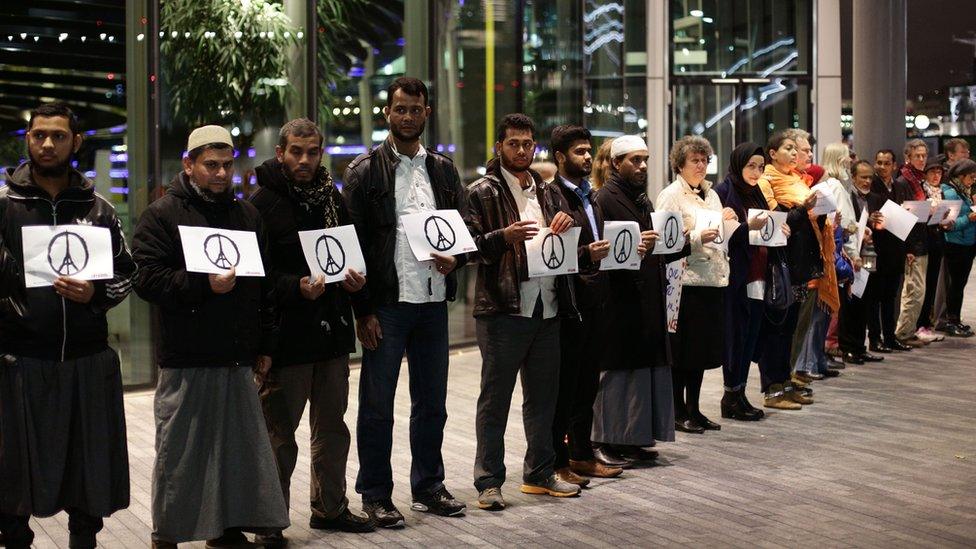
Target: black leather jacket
370, 192
37, 322
502, 266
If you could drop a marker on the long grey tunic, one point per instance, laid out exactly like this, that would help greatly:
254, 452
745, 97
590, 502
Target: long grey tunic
634, 407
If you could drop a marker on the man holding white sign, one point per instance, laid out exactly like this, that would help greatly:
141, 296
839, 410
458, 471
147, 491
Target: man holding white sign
601, 246
517, 315
633, 408
212, 445
406, 312
312, 243
62, 433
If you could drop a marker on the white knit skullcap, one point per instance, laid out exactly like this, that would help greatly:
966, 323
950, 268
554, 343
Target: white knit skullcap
627, 144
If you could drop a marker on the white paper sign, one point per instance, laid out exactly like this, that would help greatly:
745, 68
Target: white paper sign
710, 219
674, 271
551, 254
860, 282
921, 209
438, 231
671, 232
332, 252
897, 220
825, 200
83, 252
215, 251
624, 236
862, 226
731, 226
946, 210
771, 234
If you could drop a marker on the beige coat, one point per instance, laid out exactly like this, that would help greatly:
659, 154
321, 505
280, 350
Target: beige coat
706, 266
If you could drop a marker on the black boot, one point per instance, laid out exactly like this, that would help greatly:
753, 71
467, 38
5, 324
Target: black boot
748, 407
732, 407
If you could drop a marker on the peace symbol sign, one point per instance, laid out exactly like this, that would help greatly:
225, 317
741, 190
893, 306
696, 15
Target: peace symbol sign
623, 246
719, 239
330, 255
221, 251
440, 235
671, 232
67, 253
553, 251
766, 232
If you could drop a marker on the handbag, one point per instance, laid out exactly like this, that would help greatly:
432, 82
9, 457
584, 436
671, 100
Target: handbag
778, 293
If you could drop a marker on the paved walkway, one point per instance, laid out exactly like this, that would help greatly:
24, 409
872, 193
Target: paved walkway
885, 458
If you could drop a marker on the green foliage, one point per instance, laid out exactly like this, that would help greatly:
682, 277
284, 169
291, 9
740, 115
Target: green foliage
12, 149
226, 60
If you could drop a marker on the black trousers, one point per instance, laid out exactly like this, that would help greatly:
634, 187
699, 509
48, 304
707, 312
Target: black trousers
959, 263
853, 322
581, 345
931, 285
776, 340
82, 529
882, 306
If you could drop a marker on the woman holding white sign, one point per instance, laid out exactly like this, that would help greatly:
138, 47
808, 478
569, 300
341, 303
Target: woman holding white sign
706, 274
960, 244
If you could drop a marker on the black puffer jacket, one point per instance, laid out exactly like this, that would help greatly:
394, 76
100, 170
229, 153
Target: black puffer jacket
370, 193
310, 331
199, 328
37, 322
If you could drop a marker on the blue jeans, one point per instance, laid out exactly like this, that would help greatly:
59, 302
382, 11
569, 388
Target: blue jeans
420, 331
811, 357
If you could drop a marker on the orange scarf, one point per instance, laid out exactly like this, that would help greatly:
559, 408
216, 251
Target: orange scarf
828, 293
787, 189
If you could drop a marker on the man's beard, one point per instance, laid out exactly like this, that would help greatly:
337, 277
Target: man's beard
57, 170
574, 170
290, 174
635, 180
413, 136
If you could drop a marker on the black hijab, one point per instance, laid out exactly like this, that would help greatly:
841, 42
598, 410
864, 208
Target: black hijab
751, 196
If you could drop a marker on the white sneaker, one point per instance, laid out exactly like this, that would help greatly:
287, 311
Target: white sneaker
927, 336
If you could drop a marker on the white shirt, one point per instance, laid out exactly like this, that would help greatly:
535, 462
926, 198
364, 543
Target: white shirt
419, 281
530, 290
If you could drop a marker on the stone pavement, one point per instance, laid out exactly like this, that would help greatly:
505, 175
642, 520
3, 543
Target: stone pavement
885, 458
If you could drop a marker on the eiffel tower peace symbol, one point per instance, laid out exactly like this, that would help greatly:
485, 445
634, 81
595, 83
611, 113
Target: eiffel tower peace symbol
718, 239
221, 251
553, 251
671, 232
623, 246
766, 233
330, 255
67, 253
439, 233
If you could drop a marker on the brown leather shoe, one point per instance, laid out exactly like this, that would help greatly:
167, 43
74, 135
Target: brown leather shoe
567, 475
776, 398
796, 396
594, 468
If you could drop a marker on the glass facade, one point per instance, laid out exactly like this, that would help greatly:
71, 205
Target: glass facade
154, 69
740, 70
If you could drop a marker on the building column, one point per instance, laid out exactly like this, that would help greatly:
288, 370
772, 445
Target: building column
827, 95
880, 75
658, 95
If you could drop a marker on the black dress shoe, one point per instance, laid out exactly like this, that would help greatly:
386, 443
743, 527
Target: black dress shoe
956, 330
868, 357
835, 363
384, 514
734, 408
831, 372
636, 453
705, 423
899, 346
347, 521
611, 458
688, 426
880, 348
851, 358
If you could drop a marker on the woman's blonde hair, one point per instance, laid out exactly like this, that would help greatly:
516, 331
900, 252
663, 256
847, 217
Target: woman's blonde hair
834, 157
601, 165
